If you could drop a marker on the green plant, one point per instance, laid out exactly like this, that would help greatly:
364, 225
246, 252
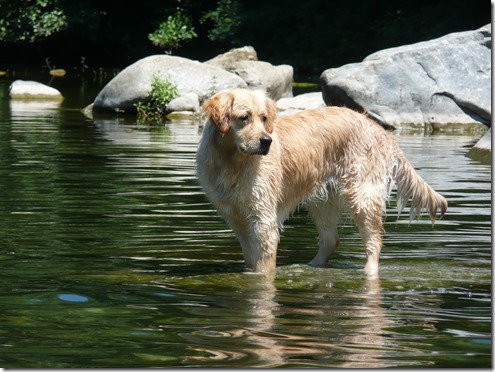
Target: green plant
161, 93
171, 33
30, 21
226, 20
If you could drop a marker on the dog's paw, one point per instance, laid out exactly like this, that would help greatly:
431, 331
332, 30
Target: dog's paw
317, 263
371, 269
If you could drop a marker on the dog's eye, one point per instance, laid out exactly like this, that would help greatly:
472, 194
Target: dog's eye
263, 118
244, 117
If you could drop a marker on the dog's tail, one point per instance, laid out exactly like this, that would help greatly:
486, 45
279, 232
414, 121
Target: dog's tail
411, 186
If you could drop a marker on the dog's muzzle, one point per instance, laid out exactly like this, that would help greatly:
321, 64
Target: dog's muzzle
265, 142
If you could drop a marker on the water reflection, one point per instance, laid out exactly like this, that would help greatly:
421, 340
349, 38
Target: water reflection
320, 319
256, 302
366, 347
282, 329
33, 109
176, 136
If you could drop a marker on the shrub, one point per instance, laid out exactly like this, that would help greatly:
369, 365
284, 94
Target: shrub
226, 21
171, 33
162, 92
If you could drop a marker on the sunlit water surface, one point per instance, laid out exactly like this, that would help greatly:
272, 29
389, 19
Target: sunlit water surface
112, 257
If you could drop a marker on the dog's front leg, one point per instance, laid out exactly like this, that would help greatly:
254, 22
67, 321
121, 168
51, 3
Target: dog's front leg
259, 245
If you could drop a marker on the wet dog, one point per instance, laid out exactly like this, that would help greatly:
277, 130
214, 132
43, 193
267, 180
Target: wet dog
257, 168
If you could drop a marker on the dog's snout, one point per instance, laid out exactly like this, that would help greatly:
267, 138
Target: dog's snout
265, 142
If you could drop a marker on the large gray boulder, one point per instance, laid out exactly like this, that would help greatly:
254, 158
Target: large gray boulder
275, 80
434, 84
133, 84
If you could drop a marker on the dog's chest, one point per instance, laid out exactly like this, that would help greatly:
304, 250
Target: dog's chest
243, 181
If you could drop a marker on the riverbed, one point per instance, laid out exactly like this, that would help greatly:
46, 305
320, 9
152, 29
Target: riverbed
113, 258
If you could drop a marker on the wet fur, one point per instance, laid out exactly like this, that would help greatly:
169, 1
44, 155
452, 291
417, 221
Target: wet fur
327, 159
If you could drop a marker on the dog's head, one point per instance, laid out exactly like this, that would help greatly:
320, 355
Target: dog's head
244, 116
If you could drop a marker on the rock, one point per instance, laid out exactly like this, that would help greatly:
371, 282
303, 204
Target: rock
228, 59
133, 83
187, 102
186, 115
275, 80
60, 72
88, 111
238, 68
485, 142
438, 84
27, 89
482, 150
301, 102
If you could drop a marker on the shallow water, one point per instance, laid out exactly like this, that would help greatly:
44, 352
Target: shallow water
112, 257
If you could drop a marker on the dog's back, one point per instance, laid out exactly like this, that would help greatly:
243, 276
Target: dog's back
347, 150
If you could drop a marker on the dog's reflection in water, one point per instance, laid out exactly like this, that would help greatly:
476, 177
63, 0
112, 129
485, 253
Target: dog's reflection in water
329, 332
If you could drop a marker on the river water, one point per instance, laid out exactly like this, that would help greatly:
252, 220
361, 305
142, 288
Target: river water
112, 257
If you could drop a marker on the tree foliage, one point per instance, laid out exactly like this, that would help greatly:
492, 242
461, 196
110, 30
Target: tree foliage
226, 20
310, 35
30, 21
171, 33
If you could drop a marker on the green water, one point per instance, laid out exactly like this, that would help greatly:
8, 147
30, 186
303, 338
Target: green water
112, 257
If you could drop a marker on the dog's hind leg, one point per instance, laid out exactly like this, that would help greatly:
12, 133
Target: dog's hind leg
367, 210
326, 216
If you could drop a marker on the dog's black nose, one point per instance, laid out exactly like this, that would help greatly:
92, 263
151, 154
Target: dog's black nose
265, 142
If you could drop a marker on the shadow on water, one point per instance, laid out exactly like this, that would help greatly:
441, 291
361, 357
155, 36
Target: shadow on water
112, 257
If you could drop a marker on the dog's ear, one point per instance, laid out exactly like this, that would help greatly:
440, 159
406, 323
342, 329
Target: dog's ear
271, 115
219, 110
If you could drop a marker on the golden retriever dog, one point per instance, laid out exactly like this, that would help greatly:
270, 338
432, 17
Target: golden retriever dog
257, 168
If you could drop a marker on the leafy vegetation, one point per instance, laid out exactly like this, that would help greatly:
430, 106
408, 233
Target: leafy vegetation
225, 18
310, 35
30, 21
162, 92
171, 33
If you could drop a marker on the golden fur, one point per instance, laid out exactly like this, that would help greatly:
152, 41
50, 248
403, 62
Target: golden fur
256, 168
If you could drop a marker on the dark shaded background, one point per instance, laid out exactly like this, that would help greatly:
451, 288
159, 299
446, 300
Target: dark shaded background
310, 35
